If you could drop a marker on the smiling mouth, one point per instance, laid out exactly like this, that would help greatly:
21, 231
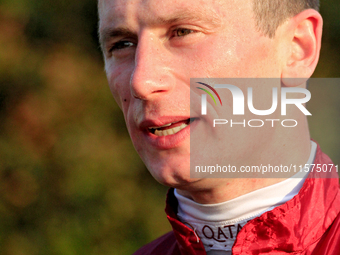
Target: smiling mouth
170, 128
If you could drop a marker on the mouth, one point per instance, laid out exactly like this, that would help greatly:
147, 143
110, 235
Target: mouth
170, 128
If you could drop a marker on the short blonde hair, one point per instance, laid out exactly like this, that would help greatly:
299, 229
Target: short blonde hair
270, 14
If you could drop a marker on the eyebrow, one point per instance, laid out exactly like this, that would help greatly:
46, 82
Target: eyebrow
183, 15
107, 33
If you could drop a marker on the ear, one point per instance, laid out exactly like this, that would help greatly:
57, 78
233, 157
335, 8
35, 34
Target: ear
304, 43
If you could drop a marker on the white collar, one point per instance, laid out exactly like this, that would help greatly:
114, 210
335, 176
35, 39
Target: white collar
218, 224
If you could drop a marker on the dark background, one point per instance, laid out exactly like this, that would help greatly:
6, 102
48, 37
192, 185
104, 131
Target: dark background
70, 179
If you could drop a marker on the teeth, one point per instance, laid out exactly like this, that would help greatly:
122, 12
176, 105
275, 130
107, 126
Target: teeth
176, 129
170, 131
166, 125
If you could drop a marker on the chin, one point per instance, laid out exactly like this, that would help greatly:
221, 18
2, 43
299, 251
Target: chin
171, 176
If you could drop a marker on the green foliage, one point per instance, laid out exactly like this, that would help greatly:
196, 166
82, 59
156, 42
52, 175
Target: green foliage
70, 180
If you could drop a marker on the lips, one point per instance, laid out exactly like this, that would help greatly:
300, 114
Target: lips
167, 132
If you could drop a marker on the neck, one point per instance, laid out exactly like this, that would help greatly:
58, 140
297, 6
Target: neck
227, 189
293, 151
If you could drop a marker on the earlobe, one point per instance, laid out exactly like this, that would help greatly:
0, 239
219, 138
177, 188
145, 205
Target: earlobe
304, 47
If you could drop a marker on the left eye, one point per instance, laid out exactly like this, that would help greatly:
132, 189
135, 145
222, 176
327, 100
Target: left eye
183, 32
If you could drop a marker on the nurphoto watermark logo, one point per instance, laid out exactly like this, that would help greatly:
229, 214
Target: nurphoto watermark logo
243, 127
238, 107
204, 97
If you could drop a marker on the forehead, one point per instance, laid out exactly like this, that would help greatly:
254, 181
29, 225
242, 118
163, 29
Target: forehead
137, 12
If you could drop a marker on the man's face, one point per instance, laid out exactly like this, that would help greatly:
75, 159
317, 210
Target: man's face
152, 48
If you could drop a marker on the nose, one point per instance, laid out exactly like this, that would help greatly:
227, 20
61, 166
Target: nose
151, 74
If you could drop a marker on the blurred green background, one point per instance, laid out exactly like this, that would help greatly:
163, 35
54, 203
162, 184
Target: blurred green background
70, 179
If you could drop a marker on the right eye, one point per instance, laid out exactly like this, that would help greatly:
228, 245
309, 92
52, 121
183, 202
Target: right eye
121, 45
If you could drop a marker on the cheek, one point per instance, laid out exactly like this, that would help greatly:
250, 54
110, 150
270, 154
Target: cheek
216, 57
237, 53
119, 83
258, 52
